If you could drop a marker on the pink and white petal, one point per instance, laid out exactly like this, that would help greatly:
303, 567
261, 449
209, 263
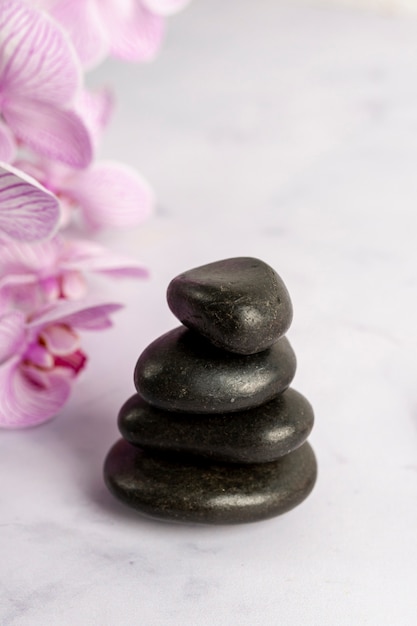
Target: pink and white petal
7, 144
50, 288
28, 212
111, 195
117, 267
37, 61
60, 339
16, 281
51, 132
39, 356
30, 258
67, 211
135, 34
94, 317
33, 169
49, 172
46, 5
25, 297
73, 285
23, 263
35, 374
81, 20
165, 7
95, 109
76, 252
87, 256
24, 402
28, 285
20, 292
12, 334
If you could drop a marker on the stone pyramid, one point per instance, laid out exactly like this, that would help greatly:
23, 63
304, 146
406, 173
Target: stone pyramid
214, 434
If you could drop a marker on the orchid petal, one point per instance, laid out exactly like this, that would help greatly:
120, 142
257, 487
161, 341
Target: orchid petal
95, 317
26, 273
135, 33
78, 251
165, 7
20, 293
27, 211
81, 20
39, 356
27, 298
46, 5
95, 109
117, 267
60, 339
70, 364
52, 132
73, 285
50, 288
111, 195
23, 258
37, 375
37, 61
92, 318
88, 256
7, 144
24, 402
18, 281
12, 334
35, 170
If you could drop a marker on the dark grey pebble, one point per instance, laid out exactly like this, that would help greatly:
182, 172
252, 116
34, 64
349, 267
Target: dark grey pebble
257, 435
182, 371
208, 493
239, 304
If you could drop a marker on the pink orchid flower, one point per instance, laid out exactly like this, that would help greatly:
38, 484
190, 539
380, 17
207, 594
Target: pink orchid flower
37, 274
40, 358
39, 79
28, 212
131, 30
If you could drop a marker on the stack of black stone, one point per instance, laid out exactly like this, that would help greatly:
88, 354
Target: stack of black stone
214, 434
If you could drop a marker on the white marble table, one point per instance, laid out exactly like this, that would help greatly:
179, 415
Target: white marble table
289, 134
390, 7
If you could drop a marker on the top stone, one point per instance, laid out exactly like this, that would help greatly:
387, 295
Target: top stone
239, 304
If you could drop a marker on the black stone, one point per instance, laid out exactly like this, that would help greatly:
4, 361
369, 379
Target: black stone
182, 371
206, 492
258, 435
239, 304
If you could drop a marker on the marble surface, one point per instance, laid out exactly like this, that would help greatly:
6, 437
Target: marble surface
384, 6
288, 133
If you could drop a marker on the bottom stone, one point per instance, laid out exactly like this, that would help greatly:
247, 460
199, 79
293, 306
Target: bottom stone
208, 493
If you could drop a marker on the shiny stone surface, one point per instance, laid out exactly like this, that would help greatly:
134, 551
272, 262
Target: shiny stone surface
257, 435
182, 371
206, 492
239, 304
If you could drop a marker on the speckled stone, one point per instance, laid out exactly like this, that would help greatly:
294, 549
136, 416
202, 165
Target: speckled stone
182, 371
239, 304
258, 435
206, 492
